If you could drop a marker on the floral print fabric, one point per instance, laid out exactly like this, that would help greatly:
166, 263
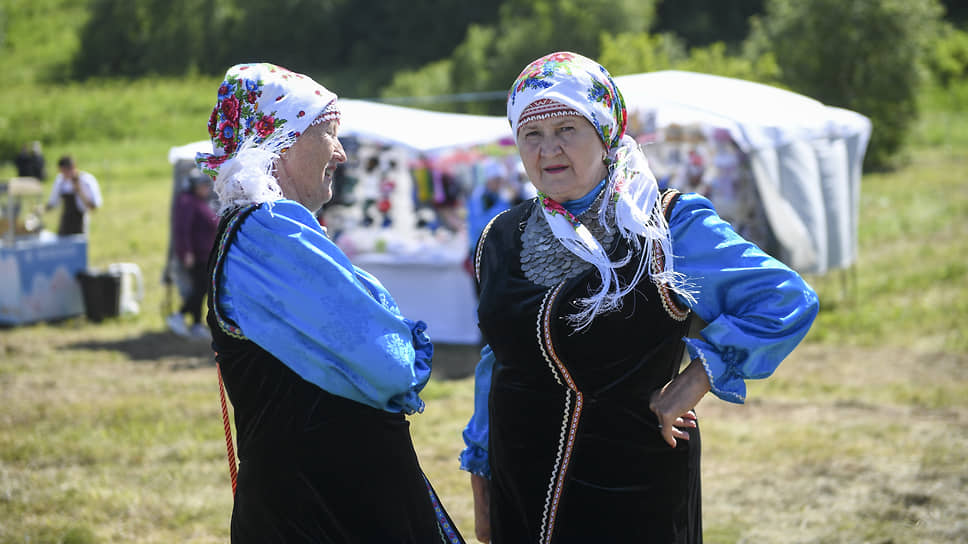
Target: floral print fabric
262, 107
577, 82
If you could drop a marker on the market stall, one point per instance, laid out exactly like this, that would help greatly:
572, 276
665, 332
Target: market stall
38, 270
784, 169
397, 210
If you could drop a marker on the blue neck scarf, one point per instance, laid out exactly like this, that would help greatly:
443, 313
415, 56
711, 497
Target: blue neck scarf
580, 205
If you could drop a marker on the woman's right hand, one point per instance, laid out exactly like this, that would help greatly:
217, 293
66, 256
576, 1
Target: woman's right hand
481, 487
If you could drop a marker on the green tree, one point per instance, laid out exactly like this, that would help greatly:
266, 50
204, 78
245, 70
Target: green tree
701, 23
864, 55
491, 56
356, 45
948, 61
632, 53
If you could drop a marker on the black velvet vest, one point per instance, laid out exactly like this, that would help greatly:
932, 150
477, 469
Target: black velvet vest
266, 394
315, 467
574, 450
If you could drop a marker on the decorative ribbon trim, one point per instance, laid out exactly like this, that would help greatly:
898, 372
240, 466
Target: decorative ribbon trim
224, 324
446, 531
479, 250
570, 417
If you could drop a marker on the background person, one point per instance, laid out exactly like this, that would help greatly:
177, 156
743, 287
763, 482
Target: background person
77, 192
486, 200
584, 427
194, 229
30, 162
318, 361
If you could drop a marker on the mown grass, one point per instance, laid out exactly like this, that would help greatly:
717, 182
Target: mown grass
111, 432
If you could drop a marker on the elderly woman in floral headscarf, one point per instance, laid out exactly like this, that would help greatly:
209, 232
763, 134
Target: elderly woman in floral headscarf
319, 363
584, 427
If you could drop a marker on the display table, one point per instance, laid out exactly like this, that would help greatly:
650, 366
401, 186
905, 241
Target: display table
38, 278
437, 291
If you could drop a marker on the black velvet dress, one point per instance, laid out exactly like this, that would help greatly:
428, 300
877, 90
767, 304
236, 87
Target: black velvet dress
575, 453
315, 467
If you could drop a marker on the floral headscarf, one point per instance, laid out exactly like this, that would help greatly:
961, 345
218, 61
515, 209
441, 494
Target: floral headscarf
574, 81
260, 112
565, 83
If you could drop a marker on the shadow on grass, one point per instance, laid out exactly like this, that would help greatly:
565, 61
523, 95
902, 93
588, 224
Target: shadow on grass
455, 361
157, 346
451, 361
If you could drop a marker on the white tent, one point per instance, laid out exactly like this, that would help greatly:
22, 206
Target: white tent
418, 130
806, 157
409, 266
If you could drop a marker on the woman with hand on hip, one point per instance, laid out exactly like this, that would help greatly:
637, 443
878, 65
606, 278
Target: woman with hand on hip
584, 427
319, 363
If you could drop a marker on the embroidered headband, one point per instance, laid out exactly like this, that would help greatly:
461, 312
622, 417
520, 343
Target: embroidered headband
260, 111
545, 108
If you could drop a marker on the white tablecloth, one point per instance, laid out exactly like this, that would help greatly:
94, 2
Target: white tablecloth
439, 292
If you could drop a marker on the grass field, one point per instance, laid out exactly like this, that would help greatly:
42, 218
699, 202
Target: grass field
111, 432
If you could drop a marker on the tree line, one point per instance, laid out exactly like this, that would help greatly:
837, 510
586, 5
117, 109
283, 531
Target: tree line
870, 56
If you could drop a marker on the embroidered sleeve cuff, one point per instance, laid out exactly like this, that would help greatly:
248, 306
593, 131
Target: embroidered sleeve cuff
423, 352
409, 403
474, 460
726, 382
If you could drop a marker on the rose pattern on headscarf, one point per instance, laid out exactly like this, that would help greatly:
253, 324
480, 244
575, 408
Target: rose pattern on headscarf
237, 97
260, 111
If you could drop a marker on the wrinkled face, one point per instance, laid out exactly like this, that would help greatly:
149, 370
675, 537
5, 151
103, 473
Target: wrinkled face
305, 171
562, 156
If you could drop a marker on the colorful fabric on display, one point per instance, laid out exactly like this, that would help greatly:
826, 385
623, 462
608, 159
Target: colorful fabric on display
563, 82
260, 112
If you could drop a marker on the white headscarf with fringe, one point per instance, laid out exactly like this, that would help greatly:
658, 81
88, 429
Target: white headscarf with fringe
567, 83
262, 109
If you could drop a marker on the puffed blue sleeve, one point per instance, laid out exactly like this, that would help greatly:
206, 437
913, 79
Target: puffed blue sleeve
474, 457
756, 308
295, 294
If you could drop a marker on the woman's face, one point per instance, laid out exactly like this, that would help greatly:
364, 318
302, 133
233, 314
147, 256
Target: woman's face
562, 156
305, 171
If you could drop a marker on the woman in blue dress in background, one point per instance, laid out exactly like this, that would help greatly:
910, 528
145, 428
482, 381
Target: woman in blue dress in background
584, 427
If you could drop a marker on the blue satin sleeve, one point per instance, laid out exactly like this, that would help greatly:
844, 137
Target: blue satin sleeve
756, 308
293, 292
473, 458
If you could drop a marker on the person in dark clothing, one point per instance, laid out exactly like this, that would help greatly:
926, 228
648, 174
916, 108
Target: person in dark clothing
319, 363
584, 426
194, 229
30, 162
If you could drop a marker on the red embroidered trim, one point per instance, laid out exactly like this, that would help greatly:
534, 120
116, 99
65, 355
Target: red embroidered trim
565, 445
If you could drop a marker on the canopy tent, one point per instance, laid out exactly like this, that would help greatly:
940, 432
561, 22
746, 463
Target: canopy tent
419, 130
805, 157
386, 146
